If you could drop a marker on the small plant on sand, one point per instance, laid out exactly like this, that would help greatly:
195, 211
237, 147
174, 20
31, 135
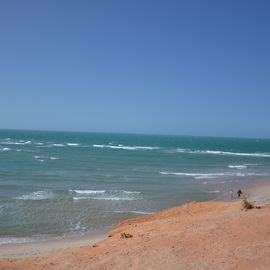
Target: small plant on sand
247, 204
126, 235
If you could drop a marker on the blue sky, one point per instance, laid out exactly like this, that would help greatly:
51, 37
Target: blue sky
169, 67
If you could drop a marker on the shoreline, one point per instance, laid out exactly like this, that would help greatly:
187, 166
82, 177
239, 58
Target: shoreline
260, 194
47, 247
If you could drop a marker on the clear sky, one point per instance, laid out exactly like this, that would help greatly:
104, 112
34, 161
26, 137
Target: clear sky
136, 66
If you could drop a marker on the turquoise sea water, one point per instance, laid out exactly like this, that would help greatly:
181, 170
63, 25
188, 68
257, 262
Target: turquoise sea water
57, 184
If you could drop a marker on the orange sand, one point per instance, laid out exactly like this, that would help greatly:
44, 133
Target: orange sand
205, 235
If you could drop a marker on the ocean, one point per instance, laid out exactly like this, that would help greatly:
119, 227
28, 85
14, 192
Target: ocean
63, 184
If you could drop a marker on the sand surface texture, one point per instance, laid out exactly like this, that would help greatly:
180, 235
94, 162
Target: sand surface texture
205, 235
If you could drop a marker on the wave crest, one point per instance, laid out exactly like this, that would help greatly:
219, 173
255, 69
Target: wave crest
224, 153
124, 147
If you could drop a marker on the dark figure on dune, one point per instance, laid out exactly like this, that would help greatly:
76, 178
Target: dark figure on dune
239, 193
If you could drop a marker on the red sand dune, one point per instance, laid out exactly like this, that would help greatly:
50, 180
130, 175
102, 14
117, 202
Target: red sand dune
205, 235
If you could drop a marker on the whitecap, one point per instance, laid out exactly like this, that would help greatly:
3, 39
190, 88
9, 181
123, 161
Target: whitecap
131, 192
214, 191
189, 151
99, 146
113, 198
16, 143
239, 167
5, 149
193, 174
58, 144
54, 158
104, 198
73, 144
123, 147
135, 212
213, 175
88, 191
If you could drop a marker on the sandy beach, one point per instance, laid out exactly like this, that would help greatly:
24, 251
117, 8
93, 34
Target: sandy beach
197, 235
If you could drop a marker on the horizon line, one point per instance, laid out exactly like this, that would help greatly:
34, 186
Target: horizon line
133, 133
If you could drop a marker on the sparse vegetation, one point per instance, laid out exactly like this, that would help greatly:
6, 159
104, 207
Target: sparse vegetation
247, 204
126, 235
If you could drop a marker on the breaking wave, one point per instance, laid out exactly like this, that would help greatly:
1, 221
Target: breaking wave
45, 157
124, 147
213, 175
5, 149
107, 195
37, 195
131, 192
239, 167
224, 153
105, 198
73, 144
88, 191
135, 212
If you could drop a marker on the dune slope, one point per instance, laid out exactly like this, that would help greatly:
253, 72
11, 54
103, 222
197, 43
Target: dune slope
199, 235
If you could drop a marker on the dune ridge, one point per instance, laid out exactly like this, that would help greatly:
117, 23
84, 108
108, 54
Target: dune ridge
197, 235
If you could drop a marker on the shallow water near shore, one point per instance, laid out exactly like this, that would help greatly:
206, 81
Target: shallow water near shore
59, 184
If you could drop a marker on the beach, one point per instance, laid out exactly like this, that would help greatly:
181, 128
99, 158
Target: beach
61, 185
96, 201
196, 235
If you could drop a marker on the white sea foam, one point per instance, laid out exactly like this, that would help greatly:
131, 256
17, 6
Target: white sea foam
135, 212
214, 191
58, 144
189, 151
88, 191
5, 149
18, 142
104, 198
239, 167
37, 195
11, 143
114, 198
213, 175
45, 157
99, 145
123, 147
17, 240
194, 174
73, 144
131, 192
